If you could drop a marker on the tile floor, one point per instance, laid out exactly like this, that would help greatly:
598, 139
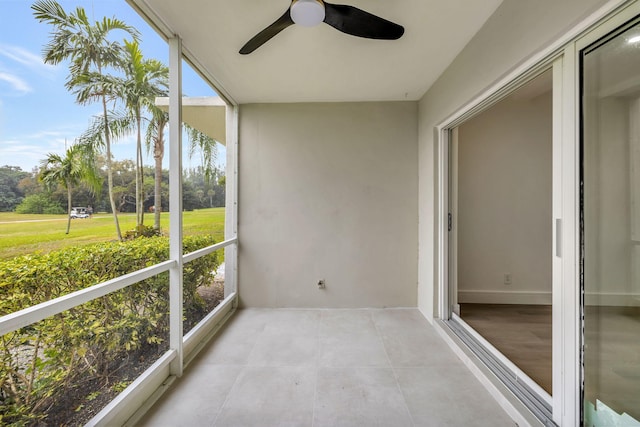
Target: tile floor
385, 367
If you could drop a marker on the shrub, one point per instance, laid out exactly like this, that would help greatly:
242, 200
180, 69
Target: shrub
39, 204
40, 363
141, 231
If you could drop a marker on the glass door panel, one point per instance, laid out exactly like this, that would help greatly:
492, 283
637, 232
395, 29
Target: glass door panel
500, 234
611, 228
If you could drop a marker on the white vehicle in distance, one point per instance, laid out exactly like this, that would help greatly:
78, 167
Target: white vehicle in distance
79, 212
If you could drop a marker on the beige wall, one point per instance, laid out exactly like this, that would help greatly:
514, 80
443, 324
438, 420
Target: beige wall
328, 191
515, 32
504, 203
608, 252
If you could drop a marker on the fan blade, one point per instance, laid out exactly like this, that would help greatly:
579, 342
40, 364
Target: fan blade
265, 35
351, 20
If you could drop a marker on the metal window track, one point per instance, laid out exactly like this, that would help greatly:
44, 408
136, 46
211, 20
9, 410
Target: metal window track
534, 402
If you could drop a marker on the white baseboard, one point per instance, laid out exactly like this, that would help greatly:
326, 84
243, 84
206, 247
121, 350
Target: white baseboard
504, 297
544, 298
613, 299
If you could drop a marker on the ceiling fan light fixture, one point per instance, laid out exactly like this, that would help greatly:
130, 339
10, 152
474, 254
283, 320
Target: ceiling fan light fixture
307, 12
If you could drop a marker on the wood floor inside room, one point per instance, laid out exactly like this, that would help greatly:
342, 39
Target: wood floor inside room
521, 332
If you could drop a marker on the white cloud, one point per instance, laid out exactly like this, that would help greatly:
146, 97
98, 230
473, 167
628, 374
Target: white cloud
32, 147
16, 153
15, 82
26, 58
27, 149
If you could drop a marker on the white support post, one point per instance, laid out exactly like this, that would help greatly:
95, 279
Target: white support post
175, 202
231, 203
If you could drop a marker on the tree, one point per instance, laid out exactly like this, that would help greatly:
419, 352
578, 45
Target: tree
30, 184
10, 192
210, 190
122, 124
39, 203
145, 79
155, 137
124, 185
90, 52
75, 167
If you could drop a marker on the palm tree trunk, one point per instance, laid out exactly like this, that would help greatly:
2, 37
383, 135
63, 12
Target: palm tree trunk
141, 189
68, 208
107, 140
139, 201
157, 197
158, 153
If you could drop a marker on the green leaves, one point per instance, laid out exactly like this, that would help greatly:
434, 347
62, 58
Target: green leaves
73, 37
38, 363
90, 53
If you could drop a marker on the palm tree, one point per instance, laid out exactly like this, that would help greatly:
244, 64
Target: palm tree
122, 124
77, 166
144, 80
90, 51
155, 137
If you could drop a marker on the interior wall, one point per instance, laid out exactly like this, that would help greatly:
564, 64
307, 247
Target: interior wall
504, 203
514, 33
328, 191
608, 234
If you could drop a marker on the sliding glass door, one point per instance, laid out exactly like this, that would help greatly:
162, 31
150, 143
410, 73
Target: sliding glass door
500, 232
539, 227
610, 232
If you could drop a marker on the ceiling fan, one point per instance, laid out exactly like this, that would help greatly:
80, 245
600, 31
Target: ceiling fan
348, 19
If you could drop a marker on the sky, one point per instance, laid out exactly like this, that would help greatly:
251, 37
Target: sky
37, 114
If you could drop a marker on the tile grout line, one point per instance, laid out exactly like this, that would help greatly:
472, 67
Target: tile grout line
242, 371
317, 368
393, 370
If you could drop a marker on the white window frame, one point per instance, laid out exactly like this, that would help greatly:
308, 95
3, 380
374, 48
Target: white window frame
131, 404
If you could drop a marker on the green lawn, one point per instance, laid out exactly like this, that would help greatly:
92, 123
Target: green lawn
23, 234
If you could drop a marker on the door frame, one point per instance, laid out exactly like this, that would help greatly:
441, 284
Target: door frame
562, 56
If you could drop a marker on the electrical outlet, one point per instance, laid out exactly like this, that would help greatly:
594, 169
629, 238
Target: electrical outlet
507, 278
321, 284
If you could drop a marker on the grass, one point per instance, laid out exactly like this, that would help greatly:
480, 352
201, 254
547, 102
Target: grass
21, 234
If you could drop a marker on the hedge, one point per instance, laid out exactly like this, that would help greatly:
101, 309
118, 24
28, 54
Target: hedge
41, 363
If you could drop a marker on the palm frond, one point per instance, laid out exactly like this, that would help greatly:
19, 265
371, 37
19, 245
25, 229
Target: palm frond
121, 124
77, 166
204, 145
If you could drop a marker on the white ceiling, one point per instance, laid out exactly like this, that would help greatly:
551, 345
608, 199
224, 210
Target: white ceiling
319, 63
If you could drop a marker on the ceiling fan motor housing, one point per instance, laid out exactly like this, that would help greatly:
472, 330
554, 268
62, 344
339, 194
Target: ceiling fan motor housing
347, 19
307, 13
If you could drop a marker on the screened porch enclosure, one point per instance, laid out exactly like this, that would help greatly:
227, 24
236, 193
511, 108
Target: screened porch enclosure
337, 295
